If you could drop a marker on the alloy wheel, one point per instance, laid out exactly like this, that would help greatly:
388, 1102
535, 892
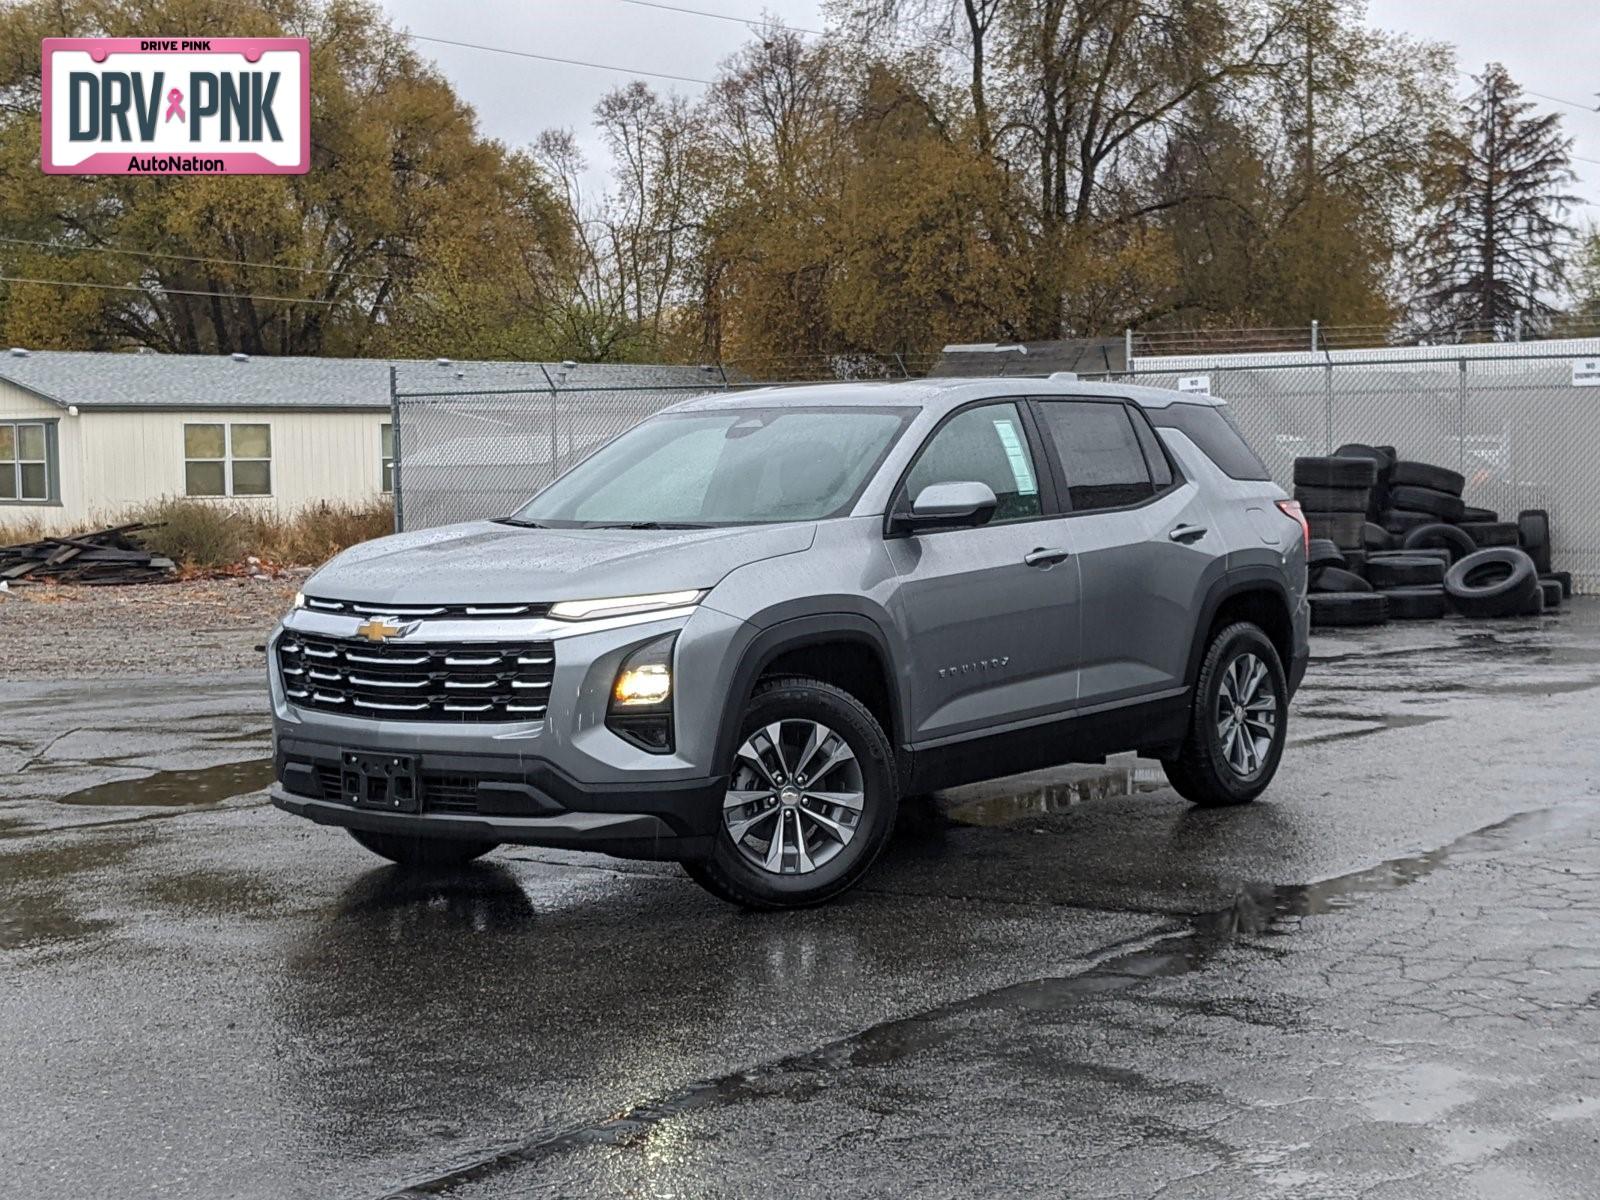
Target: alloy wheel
796, 797
1246, 714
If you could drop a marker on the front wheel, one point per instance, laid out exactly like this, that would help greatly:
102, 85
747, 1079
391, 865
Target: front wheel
411, 851
1238, 721
810, 803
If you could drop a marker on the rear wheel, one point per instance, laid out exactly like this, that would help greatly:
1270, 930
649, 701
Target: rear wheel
1238, 720
411, 851
810, 803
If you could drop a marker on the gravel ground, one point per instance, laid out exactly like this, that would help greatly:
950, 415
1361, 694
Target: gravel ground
199, 626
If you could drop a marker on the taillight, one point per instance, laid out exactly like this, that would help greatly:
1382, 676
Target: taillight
1291, 509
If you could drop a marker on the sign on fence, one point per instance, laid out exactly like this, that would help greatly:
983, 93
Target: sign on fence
1586, 372
1195, 383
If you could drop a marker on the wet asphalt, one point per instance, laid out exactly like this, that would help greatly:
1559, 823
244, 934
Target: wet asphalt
1381, 980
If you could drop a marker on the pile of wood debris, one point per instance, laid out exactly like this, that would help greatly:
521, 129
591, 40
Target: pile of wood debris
109, 556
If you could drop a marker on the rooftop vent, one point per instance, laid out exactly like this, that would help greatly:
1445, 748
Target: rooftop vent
441, 362
239, 356
1065, 376
18, 352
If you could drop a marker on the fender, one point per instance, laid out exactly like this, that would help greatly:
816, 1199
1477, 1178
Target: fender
795, 633
1234, 582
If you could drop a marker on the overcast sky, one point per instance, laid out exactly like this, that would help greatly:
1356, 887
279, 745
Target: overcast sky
1548, 46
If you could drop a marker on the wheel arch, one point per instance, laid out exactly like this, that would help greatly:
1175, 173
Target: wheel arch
1255, 594
849, 650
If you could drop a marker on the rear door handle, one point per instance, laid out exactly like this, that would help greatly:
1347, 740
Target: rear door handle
1188, 533
1046, 558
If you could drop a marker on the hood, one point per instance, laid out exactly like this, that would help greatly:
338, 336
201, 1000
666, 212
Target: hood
480, 562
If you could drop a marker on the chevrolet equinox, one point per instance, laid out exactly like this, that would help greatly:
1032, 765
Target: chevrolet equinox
735, 635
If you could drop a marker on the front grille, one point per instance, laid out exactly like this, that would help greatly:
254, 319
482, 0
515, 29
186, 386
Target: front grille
446, 612
418, 681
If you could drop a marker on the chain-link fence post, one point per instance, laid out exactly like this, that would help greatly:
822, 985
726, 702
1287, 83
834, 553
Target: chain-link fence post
1461, 415
394, 450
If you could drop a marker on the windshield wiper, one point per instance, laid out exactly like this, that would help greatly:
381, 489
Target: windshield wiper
651, 525
519, 523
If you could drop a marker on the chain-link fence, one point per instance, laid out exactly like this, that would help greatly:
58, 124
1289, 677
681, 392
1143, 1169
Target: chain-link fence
476, 440
1520, 425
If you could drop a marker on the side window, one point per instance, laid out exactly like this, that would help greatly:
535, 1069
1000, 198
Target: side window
1102, 465
1214, 432
1155, 455
985, 445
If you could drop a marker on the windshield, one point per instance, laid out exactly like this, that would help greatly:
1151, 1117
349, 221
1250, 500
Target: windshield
727, 467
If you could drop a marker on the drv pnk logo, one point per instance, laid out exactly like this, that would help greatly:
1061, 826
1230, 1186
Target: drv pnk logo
176, 106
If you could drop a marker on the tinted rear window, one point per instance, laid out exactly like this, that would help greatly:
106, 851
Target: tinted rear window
1212, 430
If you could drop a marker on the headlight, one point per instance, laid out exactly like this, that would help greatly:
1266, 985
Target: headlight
640, 710
622, 606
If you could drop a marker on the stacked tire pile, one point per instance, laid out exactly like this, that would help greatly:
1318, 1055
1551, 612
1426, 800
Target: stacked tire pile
1393, 540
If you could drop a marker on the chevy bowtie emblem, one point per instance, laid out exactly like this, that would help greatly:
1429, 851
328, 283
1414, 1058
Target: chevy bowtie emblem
378, 630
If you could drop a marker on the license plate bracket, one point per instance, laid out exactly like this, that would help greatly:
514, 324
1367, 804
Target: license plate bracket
388, 782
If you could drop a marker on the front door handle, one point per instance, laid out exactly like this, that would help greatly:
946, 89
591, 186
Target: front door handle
1188, 533
1046, 558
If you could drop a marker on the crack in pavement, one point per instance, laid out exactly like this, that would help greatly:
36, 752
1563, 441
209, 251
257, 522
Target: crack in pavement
1175, 950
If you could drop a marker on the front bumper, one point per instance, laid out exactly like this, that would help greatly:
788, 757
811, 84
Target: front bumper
515, 799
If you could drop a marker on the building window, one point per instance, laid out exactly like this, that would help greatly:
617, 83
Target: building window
27, 462
388, 457
227, 460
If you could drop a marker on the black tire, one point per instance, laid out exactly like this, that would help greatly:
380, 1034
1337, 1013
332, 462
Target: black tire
1425, 475
1564, 578
1535, 605
1347, 608
1492, 583
1384, 458
1427, 500
1533, 535
1333, 499
1416, 603
1337, 579
728, 875
1375, 537
1335, 472
1438, 552
410, 851
1491, 533
1479, 515
1355, 561
1388, 573
1323, 553
1400, 522
1203, 772
1552, 593
1342, 529
1456, 541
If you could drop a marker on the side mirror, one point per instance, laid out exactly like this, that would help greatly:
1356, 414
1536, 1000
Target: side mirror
948, 506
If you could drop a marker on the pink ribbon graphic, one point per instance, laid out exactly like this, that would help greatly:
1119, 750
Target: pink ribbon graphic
175, 105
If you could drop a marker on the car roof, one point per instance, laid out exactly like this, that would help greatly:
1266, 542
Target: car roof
938, 394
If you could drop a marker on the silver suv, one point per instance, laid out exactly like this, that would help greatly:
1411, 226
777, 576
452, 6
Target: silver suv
736, 635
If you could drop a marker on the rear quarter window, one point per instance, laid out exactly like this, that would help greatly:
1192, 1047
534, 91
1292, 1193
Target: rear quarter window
1209, 428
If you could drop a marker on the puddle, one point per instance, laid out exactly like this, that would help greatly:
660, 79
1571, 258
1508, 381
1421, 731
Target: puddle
180, 789
1036, 798
1370, 723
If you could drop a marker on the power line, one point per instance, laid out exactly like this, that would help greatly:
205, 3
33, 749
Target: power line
128, 287
1581, 106
571, 62
748, 22
69, 248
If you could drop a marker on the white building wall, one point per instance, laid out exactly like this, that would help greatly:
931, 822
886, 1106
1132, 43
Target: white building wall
111, 461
